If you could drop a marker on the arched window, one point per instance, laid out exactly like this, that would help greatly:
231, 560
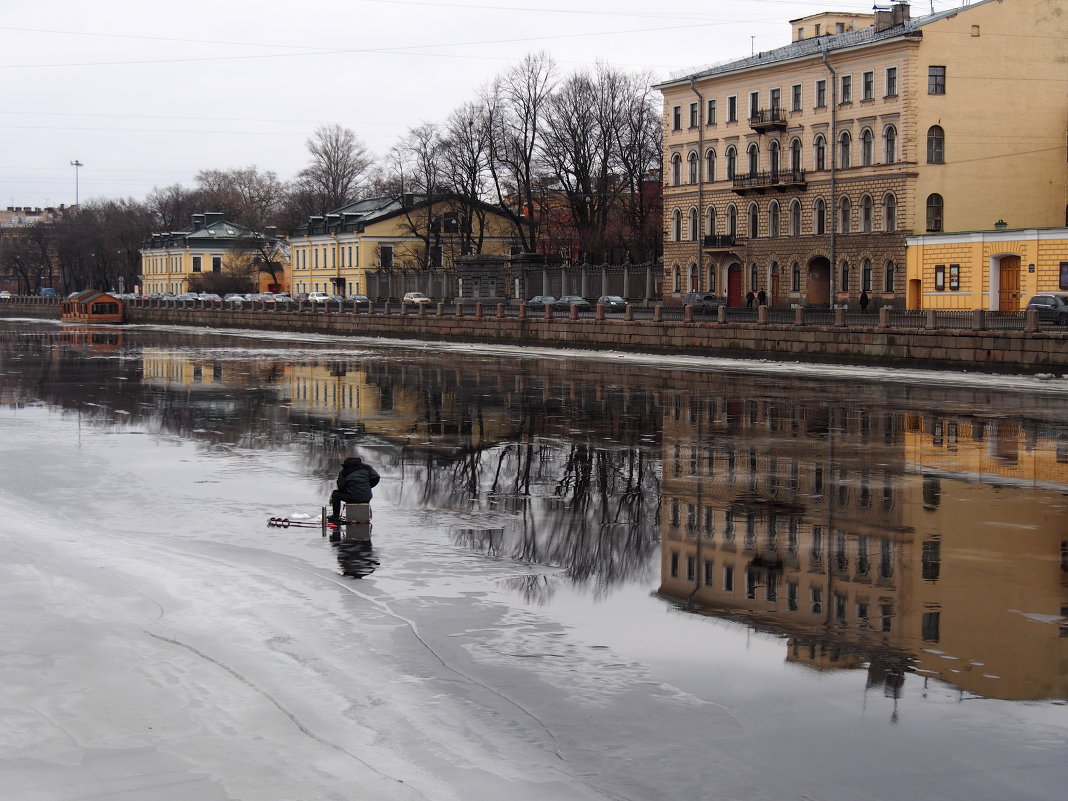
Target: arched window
712, 219
936, 145
795, 277
820, 152
844, 287
795, 155
795, 217
754, 221
867, 147
773, 218
676, 170
732, 220
890, 144
845, 215
865, 275
695, 278
732, 162
866, 209
693, 165
889, 212
754, 160
693, 225
711, 279
676, 226
934, 212
676, 279
845, 147
888, 277
710, 165
773, 155
821, 216
754, 281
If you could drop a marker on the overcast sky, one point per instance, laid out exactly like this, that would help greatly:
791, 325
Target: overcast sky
145, 94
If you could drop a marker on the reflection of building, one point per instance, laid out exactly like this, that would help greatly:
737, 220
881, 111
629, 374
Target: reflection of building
209, 247
997, 270
828, 526
801, 169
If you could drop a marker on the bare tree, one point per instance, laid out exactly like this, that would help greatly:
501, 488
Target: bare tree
339, 162
640, 147
514, 106
466, 157
173, 206
246, 196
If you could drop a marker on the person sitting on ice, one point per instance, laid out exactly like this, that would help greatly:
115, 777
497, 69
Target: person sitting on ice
354, 484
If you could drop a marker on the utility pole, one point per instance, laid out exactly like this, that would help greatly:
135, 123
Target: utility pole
76, 164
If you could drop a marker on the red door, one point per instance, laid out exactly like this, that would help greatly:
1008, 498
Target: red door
734, 285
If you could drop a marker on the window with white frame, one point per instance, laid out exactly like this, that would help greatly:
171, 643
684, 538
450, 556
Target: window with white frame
694, 166
936, 145
710, 165
676, 170
865, 275
934, 212
889, 212
891, 81
676, 226
676, 118
866, 211
795, 217
845, 89
695, 112
821, 93
711, 113
732, 220
385, 255
732, 162
868, 87
845, 215
820, 152
845, 148
694, 229
732, 109
795, 97
867, 147
890, 145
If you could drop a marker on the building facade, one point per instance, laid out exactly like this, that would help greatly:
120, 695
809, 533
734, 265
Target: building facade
211, 248
997, 270
801, 170
371, 246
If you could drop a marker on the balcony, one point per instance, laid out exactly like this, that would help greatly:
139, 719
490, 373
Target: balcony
720, 241
761, 182
768, 119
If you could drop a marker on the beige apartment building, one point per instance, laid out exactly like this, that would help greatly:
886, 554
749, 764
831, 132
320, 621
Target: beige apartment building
862, 131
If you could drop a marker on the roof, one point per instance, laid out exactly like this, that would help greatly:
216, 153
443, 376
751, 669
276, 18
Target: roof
87, 295
207, 228
356, 216
817, 45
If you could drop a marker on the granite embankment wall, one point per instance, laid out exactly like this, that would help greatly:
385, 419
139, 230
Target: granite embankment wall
986, 350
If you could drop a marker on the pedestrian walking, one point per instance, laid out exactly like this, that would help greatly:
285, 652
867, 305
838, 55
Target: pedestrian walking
864, 301
762, 298
749, 298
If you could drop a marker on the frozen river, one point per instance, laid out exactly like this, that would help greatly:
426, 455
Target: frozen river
588, 577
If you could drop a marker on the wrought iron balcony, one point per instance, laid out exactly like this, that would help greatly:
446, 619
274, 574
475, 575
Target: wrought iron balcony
720, 241
768, 119
761, 182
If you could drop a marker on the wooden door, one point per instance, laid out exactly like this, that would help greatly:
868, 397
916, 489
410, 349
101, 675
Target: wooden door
1009, 292
734, 285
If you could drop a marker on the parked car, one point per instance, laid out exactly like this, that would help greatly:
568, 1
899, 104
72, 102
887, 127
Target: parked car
188, 296
5, 295
234, 297
612, 303
703, 302
540, 301
567, 301
1052, 307
359, 300
209, 296
318, 297
336, 298
415, 298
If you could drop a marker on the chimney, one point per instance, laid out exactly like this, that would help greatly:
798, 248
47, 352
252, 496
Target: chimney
407, 200
212, 217
886, 18
198, 222
270, 232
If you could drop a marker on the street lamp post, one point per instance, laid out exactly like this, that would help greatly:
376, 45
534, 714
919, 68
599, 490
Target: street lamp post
76, 164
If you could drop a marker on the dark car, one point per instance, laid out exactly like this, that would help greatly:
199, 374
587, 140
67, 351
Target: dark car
612, 303
703, 302
359, 300
1052, 307
567, 301
540, 301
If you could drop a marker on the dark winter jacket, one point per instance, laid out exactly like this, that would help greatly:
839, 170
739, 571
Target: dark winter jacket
355, 480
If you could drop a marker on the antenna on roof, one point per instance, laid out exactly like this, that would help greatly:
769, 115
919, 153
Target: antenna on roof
752, 45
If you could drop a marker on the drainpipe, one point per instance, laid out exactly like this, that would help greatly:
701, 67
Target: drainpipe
834, 168
700, 182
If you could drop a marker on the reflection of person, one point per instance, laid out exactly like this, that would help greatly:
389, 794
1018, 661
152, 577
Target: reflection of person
864, 301
762, 298
354, 484
356, 556
749, 298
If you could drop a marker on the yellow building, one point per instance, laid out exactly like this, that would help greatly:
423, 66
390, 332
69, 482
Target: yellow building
386, 246
997, 270
802, 169
213, 248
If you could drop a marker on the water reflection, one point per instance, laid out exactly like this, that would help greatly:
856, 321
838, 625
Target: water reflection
354, 550
921, 540
909, 531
